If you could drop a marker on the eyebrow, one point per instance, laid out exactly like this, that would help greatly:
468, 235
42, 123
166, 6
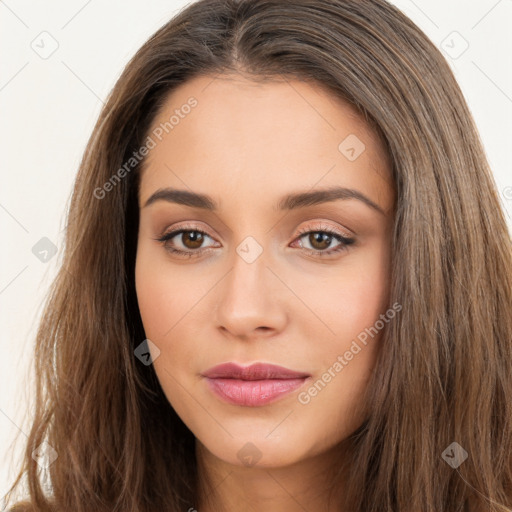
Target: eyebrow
288, 202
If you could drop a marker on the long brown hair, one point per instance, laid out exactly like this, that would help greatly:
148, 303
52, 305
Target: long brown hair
444, 369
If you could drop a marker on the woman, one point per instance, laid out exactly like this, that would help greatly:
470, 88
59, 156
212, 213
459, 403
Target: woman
287, 282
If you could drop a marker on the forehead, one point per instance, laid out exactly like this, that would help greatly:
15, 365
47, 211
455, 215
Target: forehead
244, 137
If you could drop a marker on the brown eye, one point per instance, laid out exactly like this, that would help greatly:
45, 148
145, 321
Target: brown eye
185, 242
192, 239
320, 240
323, 242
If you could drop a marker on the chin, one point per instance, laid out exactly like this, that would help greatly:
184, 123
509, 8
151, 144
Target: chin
253, 449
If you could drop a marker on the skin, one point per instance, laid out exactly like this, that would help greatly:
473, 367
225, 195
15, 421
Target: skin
248, 144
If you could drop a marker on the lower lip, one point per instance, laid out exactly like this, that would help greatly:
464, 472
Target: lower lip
253, 393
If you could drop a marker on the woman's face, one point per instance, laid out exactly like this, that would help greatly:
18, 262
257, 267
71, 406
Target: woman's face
261, 280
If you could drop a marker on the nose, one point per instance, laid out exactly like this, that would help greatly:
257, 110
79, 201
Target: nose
251, 300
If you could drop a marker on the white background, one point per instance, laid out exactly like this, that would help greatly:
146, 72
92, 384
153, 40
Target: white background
49, 107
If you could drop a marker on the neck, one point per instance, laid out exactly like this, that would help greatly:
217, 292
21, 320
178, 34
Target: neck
304, 485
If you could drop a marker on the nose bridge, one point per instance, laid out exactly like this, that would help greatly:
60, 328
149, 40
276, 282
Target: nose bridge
248, 298
249, 273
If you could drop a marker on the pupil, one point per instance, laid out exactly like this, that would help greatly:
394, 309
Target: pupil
319, 237
195, 238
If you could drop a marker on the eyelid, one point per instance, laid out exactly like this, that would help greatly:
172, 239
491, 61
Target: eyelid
346, 238
321, 226
176, 230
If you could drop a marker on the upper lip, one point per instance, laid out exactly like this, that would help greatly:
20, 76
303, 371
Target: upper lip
256, 371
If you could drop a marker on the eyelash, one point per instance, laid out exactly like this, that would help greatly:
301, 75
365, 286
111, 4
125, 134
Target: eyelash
344, 241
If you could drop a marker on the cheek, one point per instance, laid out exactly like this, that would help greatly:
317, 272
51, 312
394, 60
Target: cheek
352, 298
157, 299
169, 299
351, 305
163, 297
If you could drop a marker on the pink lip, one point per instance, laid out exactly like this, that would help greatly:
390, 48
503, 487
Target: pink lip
254, 385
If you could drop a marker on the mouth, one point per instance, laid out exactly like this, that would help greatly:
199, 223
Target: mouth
255, 385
